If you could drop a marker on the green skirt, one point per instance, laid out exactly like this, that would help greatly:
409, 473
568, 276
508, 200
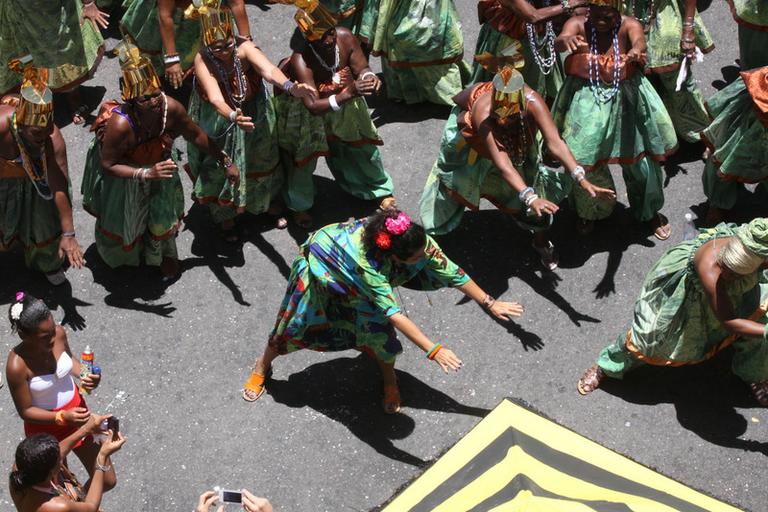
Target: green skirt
255, 154
455, 184
421, 45
51, 32
663, 35
752, 17
737, 138
32, 221
134, 220
492, 41
634, 124
305, 136
368, 21
142, 23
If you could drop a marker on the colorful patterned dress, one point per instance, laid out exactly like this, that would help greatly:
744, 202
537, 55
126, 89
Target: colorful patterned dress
28, 218
340, 297
737, 138
421, 48
500, 27
464, 173
346, 138
663, 22
632, 129
674, 323
142, 23
134, 220
255, 153
51, 32
752, 17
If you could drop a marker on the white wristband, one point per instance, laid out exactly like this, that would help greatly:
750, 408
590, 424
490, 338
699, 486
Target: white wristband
233, 116
333, 103
368, 73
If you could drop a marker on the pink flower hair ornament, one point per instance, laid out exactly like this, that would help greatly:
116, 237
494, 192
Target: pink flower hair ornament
19, 296
398, 225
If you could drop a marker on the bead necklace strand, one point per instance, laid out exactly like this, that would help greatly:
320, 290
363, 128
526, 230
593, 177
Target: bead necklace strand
39, 179
546, 64
600, 94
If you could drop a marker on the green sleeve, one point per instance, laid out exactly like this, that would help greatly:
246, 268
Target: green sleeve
439, 271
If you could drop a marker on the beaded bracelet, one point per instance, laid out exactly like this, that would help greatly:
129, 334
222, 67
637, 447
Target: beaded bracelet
524, 193
171, 58
578, 174
433, 351
68, 234
530, 199
488, 301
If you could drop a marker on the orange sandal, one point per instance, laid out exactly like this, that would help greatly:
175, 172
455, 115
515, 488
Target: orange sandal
256, 384
391, 401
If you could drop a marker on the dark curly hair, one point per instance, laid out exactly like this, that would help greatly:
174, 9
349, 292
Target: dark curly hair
36, 457
34, 312
403, 246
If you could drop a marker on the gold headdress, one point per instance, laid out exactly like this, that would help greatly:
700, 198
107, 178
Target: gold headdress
215, 22
508, 93
613, 4
139, 76
312, 17
511, 55
35, 106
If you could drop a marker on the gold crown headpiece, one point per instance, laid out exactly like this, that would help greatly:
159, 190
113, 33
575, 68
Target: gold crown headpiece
215, 22
614, 4
35, 107
508, 93
312, 18
511, 55
139, 76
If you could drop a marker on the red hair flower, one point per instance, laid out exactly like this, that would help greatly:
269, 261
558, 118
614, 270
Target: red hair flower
383, 240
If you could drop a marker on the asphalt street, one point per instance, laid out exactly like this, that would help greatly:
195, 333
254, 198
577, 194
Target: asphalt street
174, 357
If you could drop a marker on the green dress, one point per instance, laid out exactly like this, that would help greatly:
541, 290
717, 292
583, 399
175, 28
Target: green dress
368, 20
738, 140
51, 32
632, 129
421, 48
663, 22
499, 28
255, 154
142, 23
134, 221
752, 17
346, 138
340, 296
460, 178
348, 13
28, 218
674, 323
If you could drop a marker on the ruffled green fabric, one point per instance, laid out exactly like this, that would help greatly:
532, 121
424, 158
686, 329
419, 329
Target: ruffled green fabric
421, 45
254, 153
142, 23
631, 125
752, 48
455, 184
754, 236
51, 32
34, 222
492, 41
663, 36
673, 318
134, 221
754, 12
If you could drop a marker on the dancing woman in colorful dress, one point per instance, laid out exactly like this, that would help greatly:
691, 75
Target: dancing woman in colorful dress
341, 296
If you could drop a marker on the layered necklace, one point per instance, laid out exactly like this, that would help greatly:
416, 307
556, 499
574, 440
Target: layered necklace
36, 168
601, 94
546, 64
224, 77
332, 69
163, 121
516, 145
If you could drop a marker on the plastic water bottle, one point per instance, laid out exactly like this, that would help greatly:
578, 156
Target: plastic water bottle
86, 366
689, 229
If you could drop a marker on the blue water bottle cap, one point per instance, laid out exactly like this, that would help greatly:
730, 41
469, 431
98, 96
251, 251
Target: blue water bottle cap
96, 370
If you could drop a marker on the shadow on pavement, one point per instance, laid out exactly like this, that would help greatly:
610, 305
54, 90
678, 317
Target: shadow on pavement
387, 112
348, 390
17, 277
704, 396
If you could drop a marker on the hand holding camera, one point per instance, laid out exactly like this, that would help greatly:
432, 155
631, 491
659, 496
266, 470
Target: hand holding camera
249, 502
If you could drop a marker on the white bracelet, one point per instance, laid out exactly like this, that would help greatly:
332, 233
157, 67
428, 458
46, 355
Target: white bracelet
578, 174
333, 103
172, 59
530, 199
233, 116
368, 73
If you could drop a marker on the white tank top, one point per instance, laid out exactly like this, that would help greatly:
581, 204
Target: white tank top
54, 390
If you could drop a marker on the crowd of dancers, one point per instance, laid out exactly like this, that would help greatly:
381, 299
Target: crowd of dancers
557, 92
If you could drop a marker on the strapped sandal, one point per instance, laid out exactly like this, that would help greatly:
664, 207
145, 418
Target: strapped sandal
547, 255
256, 384
391, 401
760, 392
664, 230
591, 380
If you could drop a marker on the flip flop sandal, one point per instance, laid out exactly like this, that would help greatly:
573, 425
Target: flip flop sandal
760, 392
663, 223
257, 384
547, 255
591, 380
391, 401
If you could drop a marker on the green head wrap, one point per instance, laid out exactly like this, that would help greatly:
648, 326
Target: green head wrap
754, 236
